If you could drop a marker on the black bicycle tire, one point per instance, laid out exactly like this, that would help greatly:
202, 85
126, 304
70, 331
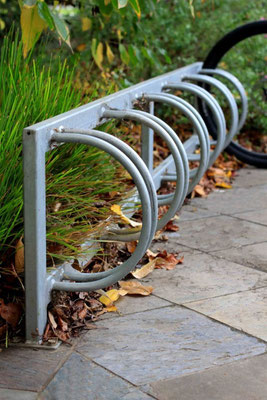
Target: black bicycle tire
226, 43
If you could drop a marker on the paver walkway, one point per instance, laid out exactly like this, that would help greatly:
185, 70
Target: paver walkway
201, 335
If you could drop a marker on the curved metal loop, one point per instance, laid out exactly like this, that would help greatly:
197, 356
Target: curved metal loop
168, 198
229, 97
145, 118
106, 278
215, 109
133, 156
127, 235
238, 86
197, 122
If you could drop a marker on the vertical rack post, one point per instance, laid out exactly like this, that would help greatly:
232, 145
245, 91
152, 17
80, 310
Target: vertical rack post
34, 148
147, 142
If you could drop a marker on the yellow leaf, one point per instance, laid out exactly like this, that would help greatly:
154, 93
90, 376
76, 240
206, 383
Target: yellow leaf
2, 24
106, 2
109, 297
140, 273
98, 57
111, 309
117, 210
135, 287
119, 34
110, 55
32, 25
86, 24
223, 185
19, 257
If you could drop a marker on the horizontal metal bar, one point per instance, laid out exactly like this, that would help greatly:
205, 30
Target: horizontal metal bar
89, 115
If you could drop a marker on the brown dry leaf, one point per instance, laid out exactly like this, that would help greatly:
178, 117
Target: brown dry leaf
151, 255
97, 268
171, 227
52, 320
200, 191
167, 260
131, 246
135, 287
215, 172
19, 257
122, 292
82, 314
62, 324
140, 273
10, 312
76, 265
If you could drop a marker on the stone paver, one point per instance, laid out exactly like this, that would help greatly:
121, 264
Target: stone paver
173, 245
9, 394
246, 311
192, 213
132, 304
28, 369
203, 276
250, 176
253, 255
234, 200
81, 379
218, 233
165, 343
241, 380
258, 216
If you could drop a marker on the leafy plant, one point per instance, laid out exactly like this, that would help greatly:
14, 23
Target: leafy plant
77, 176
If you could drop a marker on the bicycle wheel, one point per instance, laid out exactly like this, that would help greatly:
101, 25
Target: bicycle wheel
257, 91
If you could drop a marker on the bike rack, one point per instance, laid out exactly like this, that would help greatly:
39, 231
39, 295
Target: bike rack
79, 126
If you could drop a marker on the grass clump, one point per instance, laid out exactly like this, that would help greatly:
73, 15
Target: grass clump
77, 176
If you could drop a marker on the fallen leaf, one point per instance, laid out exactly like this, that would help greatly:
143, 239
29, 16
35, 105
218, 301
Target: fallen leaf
117, 210
200, 191
63, 324
52, 320
135, 287
140, 273
10, 312
171, 227
19, 257
82, 314
223, 185
131, 246
97, 268
167, 260
109, 297
111, 309
150, 254
122, 292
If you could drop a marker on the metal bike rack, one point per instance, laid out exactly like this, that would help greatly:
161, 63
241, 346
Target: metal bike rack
79, 126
